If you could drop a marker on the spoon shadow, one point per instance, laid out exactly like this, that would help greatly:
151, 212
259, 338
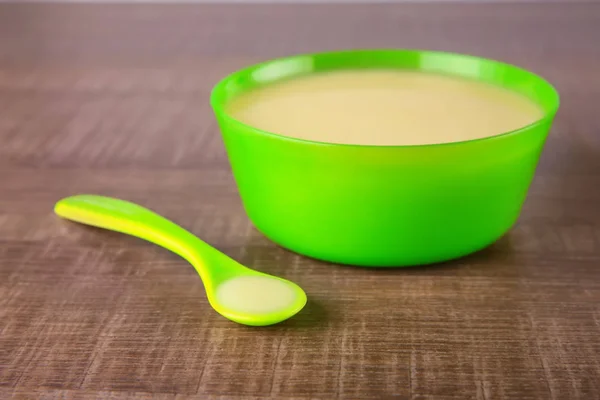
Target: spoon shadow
312, 315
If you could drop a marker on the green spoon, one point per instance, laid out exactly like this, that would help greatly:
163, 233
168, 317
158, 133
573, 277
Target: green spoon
236, 292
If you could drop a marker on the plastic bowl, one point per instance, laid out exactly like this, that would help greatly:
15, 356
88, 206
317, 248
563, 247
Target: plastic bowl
383, 205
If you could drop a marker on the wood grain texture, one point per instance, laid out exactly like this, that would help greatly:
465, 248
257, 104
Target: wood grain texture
113, 99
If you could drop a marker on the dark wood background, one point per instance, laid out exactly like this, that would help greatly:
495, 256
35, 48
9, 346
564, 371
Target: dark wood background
114, 100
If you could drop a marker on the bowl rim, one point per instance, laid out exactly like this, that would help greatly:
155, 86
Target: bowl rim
218, 96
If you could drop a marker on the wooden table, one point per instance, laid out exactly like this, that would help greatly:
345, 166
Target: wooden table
112, 99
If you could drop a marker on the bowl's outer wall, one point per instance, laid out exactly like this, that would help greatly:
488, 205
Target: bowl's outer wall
384, 206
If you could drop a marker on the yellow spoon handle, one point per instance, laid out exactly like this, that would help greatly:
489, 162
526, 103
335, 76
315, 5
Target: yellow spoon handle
132, 219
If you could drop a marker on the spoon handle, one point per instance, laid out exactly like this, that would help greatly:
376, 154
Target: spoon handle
132, 219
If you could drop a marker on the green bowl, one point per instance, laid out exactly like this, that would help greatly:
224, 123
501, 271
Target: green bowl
383, 205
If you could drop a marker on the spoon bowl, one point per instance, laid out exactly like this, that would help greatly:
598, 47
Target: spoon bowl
235, 291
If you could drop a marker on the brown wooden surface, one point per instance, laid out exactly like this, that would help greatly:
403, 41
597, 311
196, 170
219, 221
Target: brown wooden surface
113, 100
